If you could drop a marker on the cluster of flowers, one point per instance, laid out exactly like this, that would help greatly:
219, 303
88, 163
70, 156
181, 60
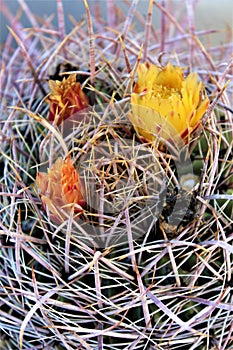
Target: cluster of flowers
160, 93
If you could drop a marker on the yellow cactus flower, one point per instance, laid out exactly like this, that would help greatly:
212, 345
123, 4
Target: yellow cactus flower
61, 188
165, 104
66, 98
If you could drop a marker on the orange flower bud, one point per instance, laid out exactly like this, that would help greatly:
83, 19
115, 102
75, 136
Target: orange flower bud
66, 98
61, 188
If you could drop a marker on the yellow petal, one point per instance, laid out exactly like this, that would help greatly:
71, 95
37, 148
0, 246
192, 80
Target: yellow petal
170, 76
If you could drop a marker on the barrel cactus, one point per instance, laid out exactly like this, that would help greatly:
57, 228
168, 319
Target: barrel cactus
116, 181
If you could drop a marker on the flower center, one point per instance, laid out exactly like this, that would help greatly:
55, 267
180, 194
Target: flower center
165, 92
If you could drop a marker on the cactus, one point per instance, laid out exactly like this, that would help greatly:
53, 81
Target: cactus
110, 238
